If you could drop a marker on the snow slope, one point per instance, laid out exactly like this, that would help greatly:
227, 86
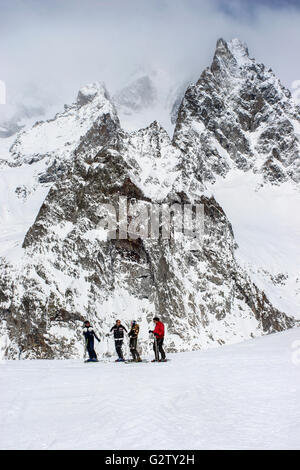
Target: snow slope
237, 397
21, 198
266, 223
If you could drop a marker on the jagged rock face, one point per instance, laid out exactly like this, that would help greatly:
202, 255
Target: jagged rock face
175, 98
238, 115
70, 269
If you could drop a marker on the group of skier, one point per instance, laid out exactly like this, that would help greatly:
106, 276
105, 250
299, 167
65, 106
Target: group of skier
118, 331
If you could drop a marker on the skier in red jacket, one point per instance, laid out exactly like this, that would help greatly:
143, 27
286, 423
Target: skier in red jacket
159, 334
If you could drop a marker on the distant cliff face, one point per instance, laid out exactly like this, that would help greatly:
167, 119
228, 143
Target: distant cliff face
68, 270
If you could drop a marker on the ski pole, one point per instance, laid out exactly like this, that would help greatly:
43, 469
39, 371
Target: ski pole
85, 349
156, 349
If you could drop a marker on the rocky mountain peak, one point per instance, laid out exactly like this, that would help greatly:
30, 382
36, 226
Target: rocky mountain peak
229, 58
238, 115
91, 92
235, 48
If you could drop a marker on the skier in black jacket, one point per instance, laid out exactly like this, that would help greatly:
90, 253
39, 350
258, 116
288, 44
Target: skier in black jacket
118, 331
133, 335
89, 335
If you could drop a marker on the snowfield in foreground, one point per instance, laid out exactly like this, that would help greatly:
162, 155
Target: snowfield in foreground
243, 396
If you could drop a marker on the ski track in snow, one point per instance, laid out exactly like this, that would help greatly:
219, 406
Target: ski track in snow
236, 397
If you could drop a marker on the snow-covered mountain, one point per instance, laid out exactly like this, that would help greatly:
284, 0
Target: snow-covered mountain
57, 267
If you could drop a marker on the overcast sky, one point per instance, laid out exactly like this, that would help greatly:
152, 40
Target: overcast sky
49, 48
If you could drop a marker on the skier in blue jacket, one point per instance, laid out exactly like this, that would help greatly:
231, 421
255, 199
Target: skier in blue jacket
89, 335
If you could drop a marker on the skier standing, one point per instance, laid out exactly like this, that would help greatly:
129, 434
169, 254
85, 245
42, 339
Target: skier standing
133, 335
89, 335
159, 334
118, 331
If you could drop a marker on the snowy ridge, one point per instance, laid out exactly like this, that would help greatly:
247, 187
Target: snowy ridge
60, 137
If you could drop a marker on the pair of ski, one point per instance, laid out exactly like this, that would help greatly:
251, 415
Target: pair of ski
145, 361
128, 361
131, 361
